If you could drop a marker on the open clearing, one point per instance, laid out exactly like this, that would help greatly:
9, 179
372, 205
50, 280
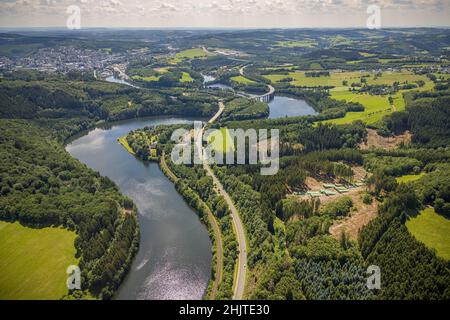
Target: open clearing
374, 140
359, 217
33, 262
149, 78
222, 142
409, 178
186, 77
433, 230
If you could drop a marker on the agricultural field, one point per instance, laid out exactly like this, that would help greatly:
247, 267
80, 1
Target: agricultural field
336, 79
188, 54
149, 79
377, 106
148, 73
287, 67
242, 80
33, 262
433, 230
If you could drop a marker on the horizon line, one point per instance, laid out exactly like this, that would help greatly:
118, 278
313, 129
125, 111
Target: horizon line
224, 28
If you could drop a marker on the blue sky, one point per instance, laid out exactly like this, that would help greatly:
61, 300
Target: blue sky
224, 13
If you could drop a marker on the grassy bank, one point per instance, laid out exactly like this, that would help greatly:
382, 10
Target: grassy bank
123, 141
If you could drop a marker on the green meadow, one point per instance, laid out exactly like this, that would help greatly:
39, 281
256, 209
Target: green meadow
33, 262
376, 107
336, 79
188, 54
433, 230
243, 80
150, 78
123, 141
222, 142
186, 77
409, 178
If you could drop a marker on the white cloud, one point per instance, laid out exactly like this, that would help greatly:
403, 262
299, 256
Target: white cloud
194, 12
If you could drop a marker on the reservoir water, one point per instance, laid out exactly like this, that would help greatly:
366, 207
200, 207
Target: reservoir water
282, 106
174, 257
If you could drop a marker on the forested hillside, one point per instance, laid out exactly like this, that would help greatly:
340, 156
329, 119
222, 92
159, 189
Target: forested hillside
42, 185
71, 104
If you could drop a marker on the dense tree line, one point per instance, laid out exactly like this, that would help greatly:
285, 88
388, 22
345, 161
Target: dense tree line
427, 119
197, 190
84, 103
42, 185
434, 188
298, 135
244, 109
409, 269
392, 166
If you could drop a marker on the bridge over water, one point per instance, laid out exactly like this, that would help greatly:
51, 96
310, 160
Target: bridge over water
267, 97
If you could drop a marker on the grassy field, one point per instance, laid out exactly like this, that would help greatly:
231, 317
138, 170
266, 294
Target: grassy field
123, 141
162, 70
433, 230
33, 262
336, 79
222, 143
278, 68
186, 77
188, 54
376, 107
243, 80
146, 74
150, 78
410, 178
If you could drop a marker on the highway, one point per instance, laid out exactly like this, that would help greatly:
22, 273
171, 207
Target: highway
239, 281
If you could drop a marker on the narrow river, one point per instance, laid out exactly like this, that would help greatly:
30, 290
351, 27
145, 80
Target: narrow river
174, 257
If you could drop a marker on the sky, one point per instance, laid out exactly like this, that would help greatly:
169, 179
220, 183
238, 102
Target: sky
224, 13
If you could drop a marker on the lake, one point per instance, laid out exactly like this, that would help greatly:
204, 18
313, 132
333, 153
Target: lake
174, 258
282, 106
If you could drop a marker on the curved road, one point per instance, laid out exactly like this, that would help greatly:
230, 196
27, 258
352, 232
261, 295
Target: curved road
271, 88
239, 284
